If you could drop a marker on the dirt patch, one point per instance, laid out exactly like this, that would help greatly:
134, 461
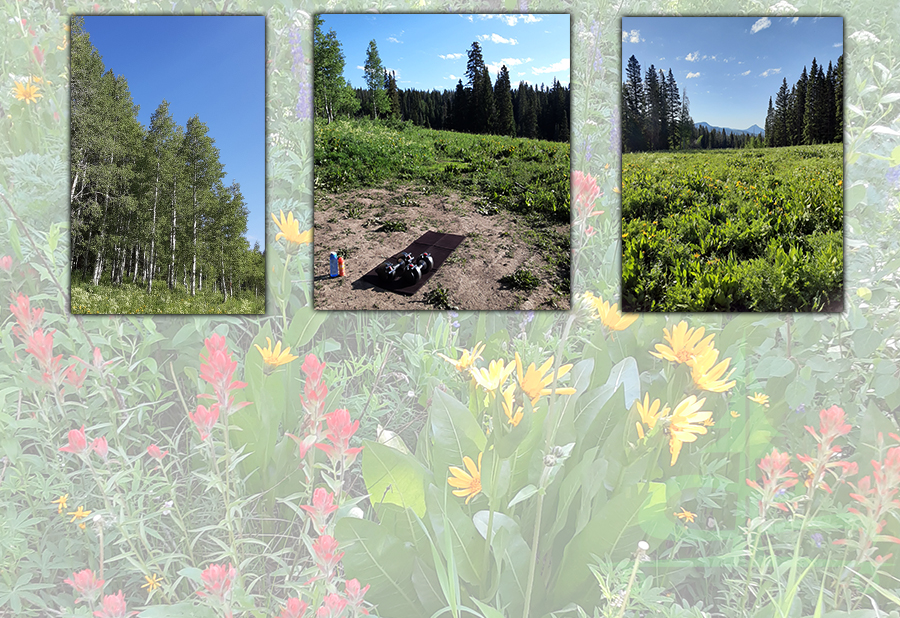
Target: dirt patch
369, 225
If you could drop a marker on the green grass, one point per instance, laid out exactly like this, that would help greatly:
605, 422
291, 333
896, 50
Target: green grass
746, 230
522, 175
128, 298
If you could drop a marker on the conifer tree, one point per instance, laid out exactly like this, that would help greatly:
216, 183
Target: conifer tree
506, 124
374, 74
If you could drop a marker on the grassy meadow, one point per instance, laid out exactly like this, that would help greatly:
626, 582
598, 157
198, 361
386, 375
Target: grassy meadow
522, 175
131, 298
734, 230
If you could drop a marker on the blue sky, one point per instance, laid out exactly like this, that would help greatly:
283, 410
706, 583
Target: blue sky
731, 65
210, 66
429, 52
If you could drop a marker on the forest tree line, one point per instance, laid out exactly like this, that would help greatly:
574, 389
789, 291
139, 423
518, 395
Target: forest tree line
476, 106
150, 203
655, 116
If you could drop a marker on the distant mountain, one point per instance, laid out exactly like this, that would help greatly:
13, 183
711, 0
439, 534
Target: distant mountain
753, 130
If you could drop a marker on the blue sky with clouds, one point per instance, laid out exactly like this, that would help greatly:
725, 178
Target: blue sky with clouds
429, 51
731, 65
210, 66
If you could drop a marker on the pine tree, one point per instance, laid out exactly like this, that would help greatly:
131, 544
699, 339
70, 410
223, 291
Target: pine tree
506, 123
770, 125
811, 113
839, 99
653, 120
673, 110
782, 104
633, 107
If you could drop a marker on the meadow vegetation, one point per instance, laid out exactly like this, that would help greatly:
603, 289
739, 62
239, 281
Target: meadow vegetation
748, 230
523, 175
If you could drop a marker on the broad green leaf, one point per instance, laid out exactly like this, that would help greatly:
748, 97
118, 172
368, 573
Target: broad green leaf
393, 477
381, 560
455, 432
448, 520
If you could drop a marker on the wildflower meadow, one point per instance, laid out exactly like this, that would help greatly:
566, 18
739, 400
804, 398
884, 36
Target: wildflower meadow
303, 464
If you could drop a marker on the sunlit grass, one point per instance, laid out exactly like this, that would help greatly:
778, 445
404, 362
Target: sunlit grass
132, 299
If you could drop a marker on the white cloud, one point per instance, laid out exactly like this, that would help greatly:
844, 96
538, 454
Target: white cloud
704, 57
511, 62
838, 45
693, 75
562, 65
747, 72
392, 39
496, 38
452, 77
692, 57
663, 58
511, 19
795, 20
469, 17
761, 24
450, 56
631, 36
360, 67
768, 72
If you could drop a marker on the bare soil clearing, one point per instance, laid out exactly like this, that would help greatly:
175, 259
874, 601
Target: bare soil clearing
369, 225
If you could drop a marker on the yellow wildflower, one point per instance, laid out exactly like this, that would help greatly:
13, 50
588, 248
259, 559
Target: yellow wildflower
467, 359
610, 316
759, 398
468, 483
684, 344
514, 417
290, 230
686, 516
492, 377
650, 413
153, 582
707, 374
60, 503
533, 381
78, 513
683, 425
27, 92
274, 358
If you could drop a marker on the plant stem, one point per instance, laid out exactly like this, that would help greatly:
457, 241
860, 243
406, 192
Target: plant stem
532, 563
634, 569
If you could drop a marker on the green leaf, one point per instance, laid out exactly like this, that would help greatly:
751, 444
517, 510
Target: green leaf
382, 561
455, 432
522, 495
448, 521
304, 325
865, 341
393, 477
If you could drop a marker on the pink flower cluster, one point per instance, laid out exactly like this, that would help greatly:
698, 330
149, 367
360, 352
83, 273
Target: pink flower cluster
877, 496
217, 369
88, 587
777, 478
39, 344
78, 444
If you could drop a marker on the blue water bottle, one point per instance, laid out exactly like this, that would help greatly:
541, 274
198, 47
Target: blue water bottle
333, 259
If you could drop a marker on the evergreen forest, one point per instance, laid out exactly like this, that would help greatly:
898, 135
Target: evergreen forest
148, 205
476, 106
656, 116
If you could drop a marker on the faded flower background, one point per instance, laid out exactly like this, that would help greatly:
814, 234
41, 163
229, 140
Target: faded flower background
170, 464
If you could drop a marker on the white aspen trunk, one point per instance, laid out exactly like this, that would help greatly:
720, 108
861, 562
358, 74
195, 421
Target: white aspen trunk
172, 244
222, 246
153, 230
194, 259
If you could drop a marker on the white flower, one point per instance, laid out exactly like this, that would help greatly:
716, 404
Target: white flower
356, 512
863, 36
783, 7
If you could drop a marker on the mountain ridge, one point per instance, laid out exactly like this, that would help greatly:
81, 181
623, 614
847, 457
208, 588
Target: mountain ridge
751, 130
